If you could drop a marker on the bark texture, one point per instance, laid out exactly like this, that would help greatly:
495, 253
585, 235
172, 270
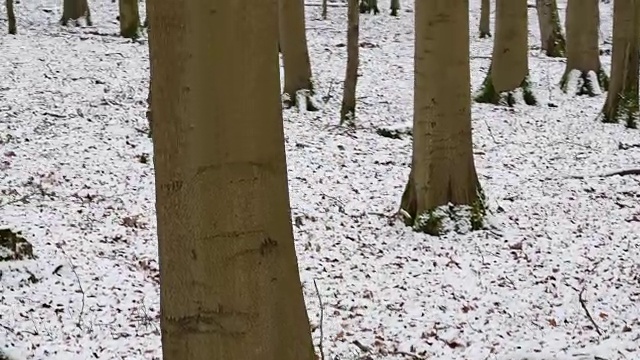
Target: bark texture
295, 54
552, 40
485, 19
11, 17
443, 170
129, 18
229, 281
74, 10
348, 108
583, 54
509, 61
622, 97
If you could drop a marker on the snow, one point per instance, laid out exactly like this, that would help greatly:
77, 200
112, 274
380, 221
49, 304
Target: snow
74, 181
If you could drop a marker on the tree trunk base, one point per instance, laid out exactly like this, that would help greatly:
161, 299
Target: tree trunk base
488, 94
625, 110
304, 96
576, 82
485, 34
442, 219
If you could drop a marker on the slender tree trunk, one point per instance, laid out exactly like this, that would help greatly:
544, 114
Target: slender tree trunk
510, 60
324, 9
74, 10
129, 18
395, 7
584, 73
295, 54
442, 111
552, 39
485, 19
622, 97
229, 281
11, 16
348, 108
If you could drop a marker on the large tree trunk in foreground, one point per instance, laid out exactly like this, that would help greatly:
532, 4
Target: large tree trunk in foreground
584, 73
74, 10
485, 19
348, 108
622, 97
295, 54
442, 112
551, 37
510, 59
229, 281
129, 18
11, 17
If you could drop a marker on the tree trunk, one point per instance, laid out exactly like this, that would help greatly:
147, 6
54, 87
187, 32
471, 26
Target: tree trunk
129, 18
509, 63
295, 54
11, 16
552, 39
74, 10
622, 97
324, 9
229, 281
395, 7
485, 19
442, 111
583, 54
348, 108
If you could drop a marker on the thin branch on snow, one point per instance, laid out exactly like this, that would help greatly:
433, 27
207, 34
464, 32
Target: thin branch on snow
615, 173
321, 344
583, 303
75, 273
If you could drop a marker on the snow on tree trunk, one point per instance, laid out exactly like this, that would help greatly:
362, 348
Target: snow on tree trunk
348, 108
553, 42
395, 7
583, 54
507, 80
622, 97
229, 280
74, 10
129, 18
442, 116
485, 22
295, 54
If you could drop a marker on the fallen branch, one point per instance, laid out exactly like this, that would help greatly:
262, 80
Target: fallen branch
615, 173
622, 146
583, 303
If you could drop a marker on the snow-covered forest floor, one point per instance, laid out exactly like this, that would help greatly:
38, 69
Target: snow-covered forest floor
556, 276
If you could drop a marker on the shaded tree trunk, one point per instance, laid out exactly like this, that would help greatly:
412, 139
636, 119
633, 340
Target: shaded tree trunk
295, 54
442, 112
129, 18
552, 39
324, 9
74, 10
485, 19
11, 17
622, 97
348, 108
510, 59
229, 281
584, 73
395, 7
